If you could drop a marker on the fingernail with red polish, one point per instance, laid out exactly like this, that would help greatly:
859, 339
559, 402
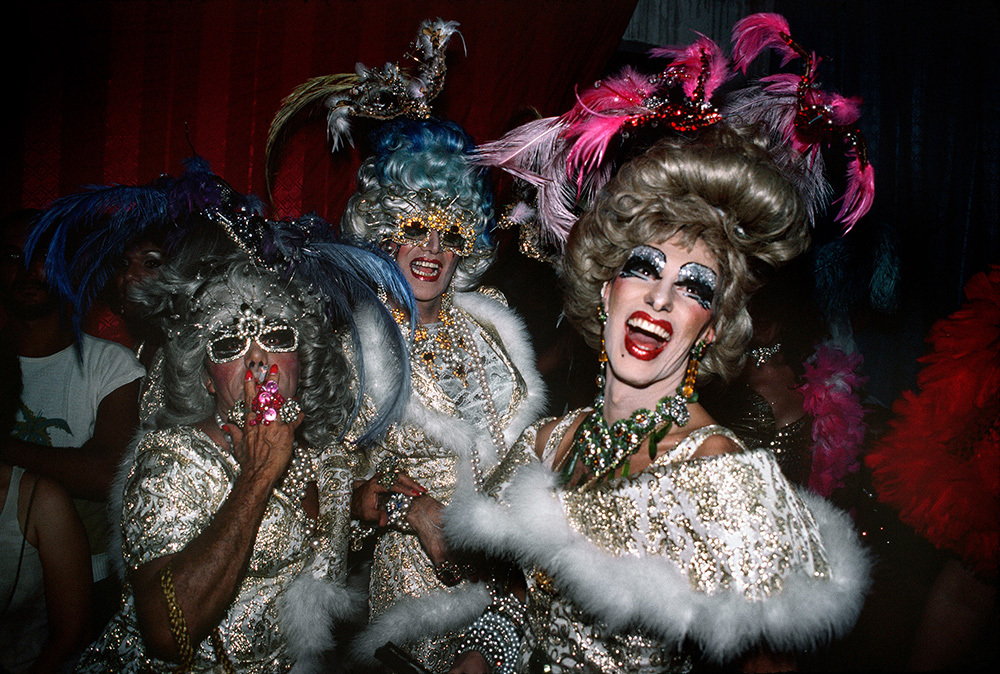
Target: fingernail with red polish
274, 368
416, 492
248, 376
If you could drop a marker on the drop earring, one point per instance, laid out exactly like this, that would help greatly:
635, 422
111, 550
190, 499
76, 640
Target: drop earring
602, 317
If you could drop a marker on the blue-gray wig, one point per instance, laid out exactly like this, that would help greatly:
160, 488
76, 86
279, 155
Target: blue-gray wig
413, 155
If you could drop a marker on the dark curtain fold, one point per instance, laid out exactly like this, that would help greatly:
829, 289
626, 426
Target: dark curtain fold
927, 73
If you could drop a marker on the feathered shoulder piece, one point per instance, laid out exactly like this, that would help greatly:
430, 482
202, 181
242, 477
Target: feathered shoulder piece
803, 115
379, 93
566, 158
85, 235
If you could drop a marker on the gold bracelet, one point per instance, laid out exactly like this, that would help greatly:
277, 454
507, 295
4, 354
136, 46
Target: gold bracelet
178, 626
179, 630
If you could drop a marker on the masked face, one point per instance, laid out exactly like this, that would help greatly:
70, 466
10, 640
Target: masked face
658, 306
251, 343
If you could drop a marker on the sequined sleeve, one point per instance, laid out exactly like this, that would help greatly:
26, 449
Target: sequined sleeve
521, 453
172, 491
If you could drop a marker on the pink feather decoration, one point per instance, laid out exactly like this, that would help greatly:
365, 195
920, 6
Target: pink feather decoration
755, 33
524, 151
844, 111
859, 193
830, 396
593, 137
687, 64
625, 91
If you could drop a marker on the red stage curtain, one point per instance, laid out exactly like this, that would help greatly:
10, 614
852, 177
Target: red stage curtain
103, 92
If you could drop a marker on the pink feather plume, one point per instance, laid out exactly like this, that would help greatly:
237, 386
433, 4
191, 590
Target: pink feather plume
687, 61
524, 151
593, 137
859, 193
755, 33
625, 91
843, 110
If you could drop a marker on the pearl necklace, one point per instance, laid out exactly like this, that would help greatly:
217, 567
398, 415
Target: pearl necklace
445, 345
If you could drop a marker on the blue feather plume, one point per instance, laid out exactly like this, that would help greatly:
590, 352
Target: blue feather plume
346, 275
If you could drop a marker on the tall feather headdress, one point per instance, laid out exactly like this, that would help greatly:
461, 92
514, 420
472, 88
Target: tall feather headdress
569, 158
802, 114
378, 93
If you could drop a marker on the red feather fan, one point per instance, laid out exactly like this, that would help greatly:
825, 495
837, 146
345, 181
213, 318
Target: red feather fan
940, 463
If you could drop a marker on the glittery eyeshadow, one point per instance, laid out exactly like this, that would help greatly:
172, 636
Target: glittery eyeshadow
701, 280
644, 260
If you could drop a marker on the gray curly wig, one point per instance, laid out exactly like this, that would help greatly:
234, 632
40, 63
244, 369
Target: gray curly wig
422, 155
720, 186
197, 292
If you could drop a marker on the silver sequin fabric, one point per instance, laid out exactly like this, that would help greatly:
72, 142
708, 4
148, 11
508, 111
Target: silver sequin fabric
178, 481
401, 569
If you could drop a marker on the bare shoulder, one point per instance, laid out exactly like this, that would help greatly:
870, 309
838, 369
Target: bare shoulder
715, 445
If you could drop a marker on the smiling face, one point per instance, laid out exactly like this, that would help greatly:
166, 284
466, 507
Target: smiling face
428, 268
658, 306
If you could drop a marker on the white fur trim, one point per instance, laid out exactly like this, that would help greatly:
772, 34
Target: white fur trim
651, 592
422, 617
307, 613
449, 432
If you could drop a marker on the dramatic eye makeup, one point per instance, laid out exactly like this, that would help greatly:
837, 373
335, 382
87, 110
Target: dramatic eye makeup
644, 261
699, 281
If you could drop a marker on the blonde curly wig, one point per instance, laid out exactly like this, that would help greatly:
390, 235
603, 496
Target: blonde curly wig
721, 186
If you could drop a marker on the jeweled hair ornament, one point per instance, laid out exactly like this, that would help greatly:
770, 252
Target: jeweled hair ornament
568, 159
86, 234
377, 93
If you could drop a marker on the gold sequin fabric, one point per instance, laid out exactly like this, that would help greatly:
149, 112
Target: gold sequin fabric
178, 481
401, 569
731, 524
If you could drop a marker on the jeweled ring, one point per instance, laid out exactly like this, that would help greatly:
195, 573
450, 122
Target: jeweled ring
266, 403
238, 413
388, 471
289, 411
448, 573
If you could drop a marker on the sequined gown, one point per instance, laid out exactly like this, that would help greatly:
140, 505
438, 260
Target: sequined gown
714, 555
177, 481
444, 431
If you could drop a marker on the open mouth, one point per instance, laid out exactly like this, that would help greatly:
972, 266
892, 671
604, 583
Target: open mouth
646, 337
424, 269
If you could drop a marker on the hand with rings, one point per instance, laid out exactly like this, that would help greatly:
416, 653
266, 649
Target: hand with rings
369, 496
264, 444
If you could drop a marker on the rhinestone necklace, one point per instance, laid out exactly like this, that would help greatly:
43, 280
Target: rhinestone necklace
605, 449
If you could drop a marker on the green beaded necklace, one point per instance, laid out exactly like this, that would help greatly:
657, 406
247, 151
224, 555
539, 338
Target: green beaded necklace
605, 449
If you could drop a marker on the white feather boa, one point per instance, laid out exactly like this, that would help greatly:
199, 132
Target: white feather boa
418, 617
651, 592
